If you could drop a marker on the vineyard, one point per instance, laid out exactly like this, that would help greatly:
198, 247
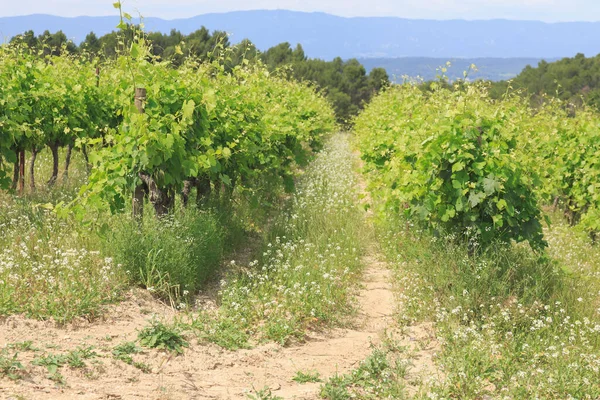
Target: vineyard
201, 230
459, 181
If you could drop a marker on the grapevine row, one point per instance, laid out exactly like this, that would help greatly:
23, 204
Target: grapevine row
463, 164
201, 125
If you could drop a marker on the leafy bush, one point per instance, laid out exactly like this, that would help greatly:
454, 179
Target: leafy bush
448, 159
465, 180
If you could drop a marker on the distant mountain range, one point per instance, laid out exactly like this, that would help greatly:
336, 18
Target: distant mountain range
494, 69
500, 48
327, 36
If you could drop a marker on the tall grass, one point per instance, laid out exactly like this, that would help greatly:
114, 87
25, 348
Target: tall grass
513, 323
173, 256
51, 268
59, 268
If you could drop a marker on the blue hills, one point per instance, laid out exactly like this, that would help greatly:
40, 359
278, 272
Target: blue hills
327, 36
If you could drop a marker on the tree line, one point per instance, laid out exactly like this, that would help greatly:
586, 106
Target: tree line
345, 83
575, 80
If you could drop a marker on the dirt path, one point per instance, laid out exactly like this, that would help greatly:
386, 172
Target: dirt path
207, 371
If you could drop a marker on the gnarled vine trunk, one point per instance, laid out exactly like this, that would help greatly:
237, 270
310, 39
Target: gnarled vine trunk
68, 162
54, 177
34, 154
162, 200
202, 189
15, 179
85, 157
202, 186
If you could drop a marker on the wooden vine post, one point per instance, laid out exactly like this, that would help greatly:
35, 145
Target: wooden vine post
139, 192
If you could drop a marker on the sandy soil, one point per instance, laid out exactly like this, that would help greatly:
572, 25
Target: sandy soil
208, 371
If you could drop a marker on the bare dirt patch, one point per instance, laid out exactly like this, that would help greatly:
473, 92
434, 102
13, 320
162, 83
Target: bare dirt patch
207, 371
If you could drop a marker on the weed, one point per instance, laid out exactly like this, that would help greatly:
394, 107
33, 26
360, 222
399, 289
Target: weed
23, 346
336, 388
163, 337
513, 323
172, 256
309, 264
52, 362
305, 377
223, 332
75, 358
145, 368
263, 394
10, 366
124, 351
375, 378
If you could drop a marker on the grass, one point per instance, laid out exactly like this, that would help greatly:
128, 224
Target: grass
263, 394
57, 259
125, 351
305, 276
513, 323
172, 257
302, 279
76, 269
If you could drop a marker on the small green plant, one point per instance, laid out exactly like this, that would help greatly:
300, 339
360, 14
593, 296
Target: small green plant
23, 346
124, 351
52, 362
305, 377
224, 332
75, 358
263, 394
145, 368
162, 337
375, 378
10, 366
336, 388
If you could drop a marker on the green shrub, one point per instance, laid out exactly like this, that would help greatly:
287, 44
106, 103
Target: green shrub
449, 160
465, 180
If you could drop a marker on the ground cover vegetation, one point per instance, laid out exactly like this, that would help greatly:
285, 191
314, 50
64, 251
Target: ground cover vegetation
464, 187
308, 270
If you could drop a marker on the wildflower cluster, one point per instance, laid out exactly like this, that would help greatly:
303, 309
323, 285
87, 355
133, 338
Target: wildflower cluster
305, 275
48, 270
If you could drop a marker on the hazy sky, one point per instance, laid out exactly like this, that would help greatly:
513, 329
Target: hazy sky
546, 10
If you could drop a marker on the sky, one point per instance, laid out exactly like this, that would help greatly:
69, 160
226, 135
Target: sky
544, 10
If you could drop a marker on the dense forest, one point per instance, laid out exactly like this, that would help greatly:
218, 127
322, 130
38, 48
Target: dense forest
345, 82
574, 79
